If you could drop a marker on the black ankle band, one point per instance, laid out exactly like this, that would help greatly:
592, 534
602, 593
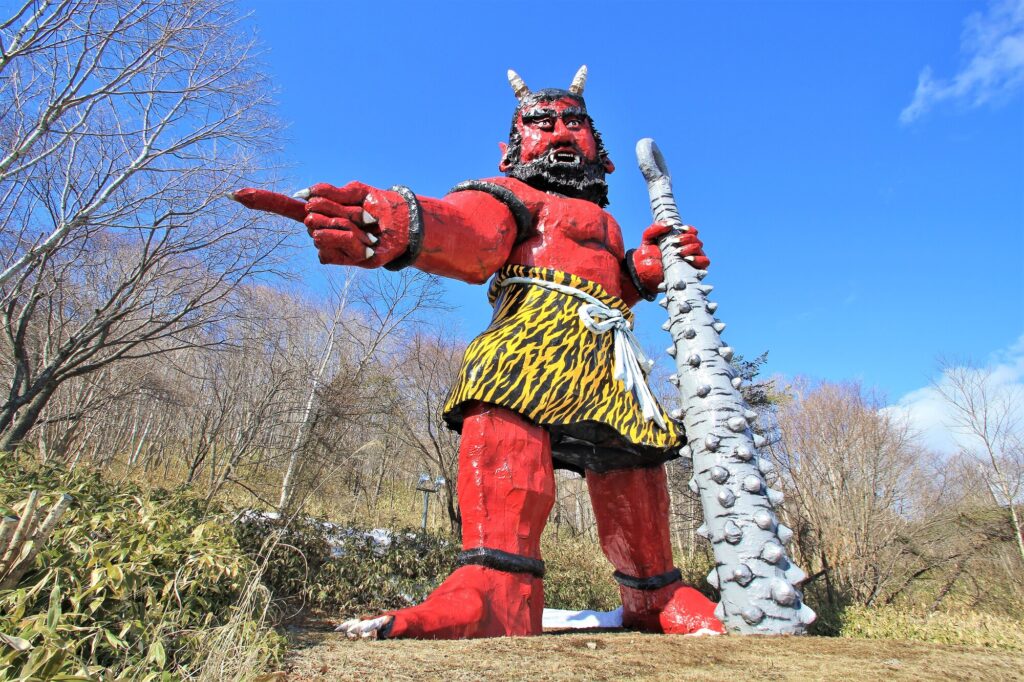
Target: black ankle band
502, 561
655, 582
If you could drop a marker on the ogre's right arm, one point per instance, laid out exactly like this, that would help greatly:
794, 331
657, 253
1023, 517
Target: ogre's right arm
468, 235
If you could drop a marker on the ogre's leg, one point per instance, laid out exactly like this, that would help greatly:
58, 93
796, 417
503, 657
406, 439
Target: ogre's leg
632, 507
506, 490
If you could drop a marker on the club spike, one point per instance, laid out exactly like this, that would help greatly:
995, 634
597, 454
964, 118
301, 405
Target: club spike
795, 575
764, 519
752, 484
783, 593
772, 552
752, 615
743, 575
726, 352
737, 424
785, 533
726, 497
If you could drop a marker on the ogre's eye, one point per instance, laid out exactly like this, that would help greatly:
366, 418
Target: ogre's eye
573, 122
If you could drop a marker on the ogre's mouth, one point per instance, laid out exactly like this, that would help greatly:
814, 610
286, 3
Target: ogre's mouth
564, 156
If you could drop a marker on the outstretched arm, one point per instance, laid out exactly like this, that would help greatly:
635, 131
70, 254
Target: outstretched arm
466, 235
643, 271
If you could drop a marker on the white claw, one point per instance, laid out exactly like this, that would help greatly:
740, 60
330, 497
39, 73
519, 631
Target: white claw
372, 237
689, 259
301, 194
368, 219
369, 252
344, 627
363, 629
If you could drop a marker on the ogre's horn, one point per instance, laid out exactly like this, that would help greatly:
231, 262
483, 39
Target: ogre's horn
579, 81
518, 86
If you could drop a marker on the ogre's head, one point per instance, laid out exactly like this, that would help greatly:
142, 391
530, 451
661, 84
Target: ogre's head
553, 144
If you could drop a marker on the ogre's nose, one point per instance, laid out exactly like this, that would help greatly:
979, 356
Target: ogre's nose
561, 132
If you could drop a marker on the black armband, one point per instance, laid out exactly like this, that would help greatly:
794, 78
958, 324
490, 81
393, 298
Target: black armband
415, 230
635, 278
655, 582
521, 214
502, 561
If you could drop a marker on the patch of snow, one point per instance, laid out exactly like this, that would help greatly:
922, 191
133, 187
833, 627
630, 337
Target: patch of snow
563, 619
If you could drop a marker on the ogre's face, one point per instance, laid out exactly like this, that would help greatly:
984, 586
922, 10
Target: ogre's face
558, 130
553, 147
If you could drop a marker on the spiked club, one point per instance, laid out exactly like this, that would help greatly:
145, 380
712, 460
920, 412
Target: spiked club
759, 585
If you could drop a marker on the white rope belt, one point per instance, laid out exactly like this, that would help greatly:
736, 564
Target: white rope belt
631, 364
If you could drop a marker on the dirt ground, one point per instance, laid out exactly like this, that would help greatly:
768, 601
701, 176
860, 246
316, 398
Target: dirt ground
322, 655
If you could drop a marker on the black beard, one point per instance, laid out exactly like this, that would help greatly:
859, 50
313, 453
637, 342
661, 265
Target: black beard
579, 181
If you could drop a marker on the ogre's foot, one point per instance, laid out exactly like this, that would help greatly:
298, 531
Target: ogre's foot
674, 609
474, 601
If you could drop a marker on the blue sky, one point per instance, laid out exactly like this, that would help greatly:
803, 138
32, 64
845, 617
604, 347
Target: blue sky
856, 169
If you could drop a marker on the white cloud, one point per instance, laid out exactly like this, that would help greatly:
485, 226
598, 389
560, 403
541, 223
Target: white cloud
930, 415
993, 47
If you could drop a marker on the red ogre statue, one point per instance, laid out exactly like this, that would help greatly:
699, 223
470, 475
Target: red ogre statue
556, 380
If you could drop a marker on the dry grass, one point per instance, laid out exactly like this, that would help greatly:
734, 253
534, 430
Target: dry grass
321, 656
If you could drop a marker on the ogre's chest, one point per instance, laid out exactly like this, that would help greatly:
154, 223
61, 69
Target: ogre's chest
579, 221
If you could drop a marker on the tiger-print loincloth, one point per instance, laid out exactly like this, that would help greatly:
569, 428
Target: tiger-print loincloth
537, 359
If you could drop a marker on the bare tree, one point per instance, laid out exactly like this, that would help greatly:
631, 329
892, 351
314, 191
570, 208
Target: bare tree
429, 369
849, 472
121, 123
350, 390
989, 417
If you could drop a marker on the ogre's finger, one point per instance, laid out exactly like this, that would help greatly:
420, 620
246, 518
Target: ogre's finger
352, 194
334, 209
335, 257
691, 249
272, 202
315, 221
344, 241
699, 262
655, 232
689, 238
